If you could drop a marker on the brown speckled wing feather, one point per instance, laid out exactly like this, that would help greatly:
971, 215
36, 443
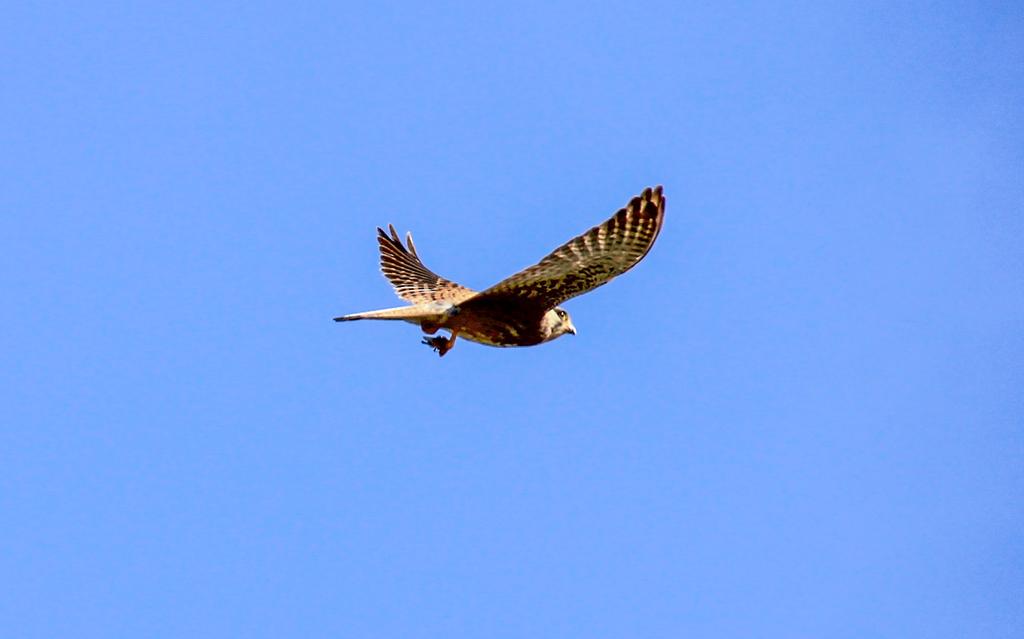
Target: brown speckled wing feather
592, 259
412, 280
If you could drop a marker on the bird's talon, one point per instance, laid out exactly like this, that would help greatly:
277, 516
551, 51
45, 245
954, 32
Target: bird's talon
439, 344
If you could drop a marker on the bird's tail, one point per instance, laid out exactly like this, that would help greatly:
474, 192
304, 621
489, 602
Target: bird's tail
407, 313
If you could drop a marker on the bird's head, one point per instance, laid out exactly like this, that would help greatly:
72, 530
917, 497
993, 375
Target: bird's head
558, 323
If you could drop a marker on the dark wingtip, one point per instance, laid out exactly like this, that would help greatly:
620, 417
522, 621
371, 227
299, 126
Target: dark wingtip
660, 196
652, 199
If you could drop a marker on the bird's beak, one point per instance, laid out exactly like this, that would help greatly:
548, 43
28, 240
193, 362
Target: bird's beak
572, 329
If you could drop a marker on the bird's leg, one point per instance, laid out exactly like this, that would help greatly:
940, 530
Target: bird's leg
440, 344
448, 344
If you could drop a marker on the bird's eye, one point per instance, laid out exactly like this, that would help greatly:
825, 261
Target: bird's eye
561, 314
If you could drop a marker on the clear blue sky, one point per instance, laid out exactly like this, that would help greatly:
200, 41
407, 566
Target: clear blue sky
801, 416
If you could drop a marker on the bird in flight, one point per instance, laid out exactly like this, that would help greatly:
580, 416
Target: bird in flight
523, 309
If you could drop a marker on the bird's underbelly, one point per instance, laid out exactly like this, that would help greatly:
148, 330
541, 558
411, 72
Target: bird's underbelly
502, 341
497, 330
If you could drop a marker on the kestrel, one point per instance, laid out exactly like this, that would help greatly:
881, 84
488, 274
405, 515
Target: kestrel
521, 310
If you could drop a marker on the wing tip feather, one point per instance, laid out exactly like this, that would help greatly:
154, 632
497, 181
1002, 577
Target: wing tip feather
412, 246
409, 277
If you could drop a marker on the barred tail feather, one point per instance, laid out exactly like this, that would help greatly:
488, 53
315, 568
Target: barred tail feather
408, 313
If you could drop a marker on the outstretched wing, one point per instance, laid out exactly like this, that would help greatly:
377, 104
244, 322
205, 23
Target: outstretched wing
590, 260
412, 280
